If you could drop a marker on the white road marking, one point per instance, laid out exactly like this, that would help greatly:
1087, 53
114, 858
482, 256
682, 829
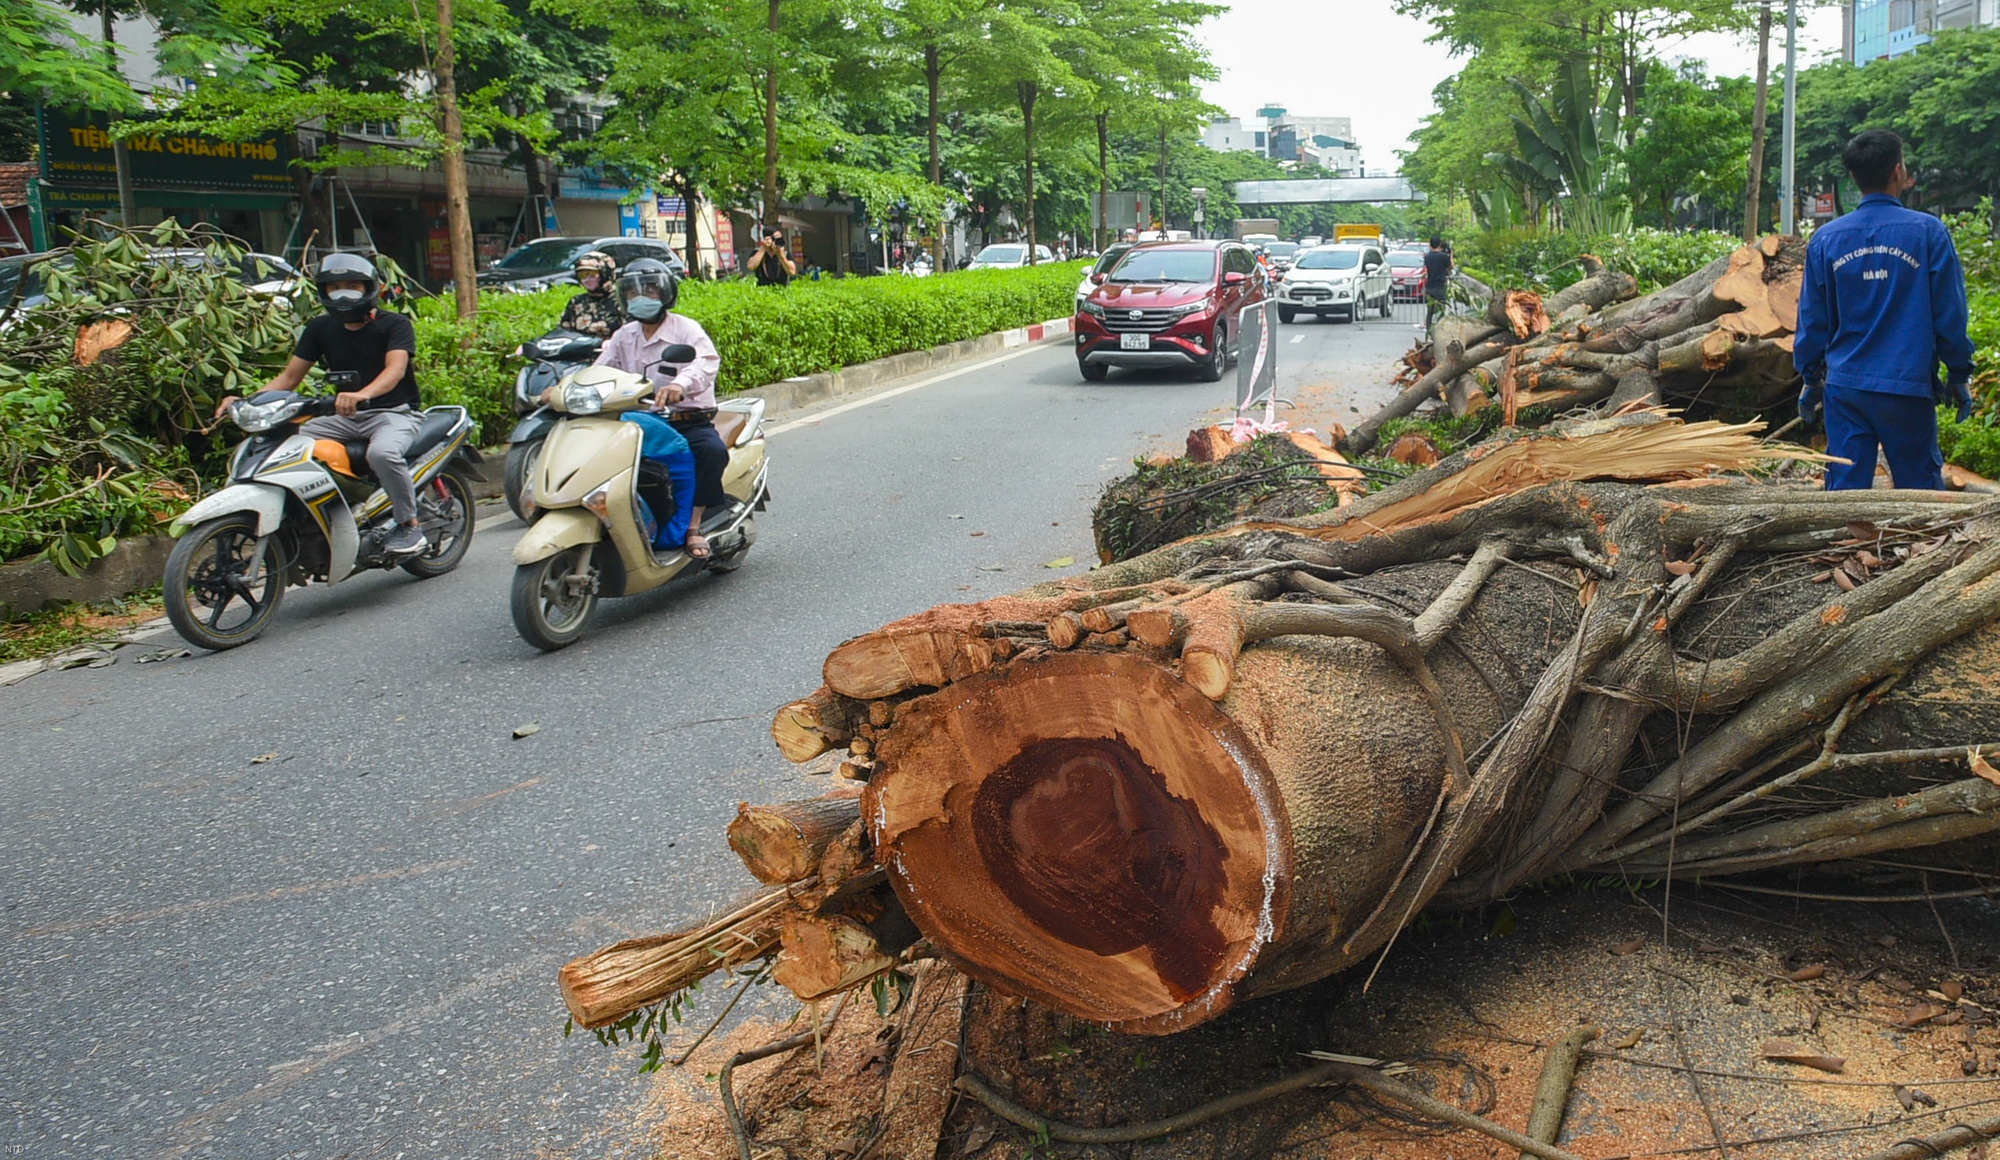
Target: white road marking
1298, 338
919, 385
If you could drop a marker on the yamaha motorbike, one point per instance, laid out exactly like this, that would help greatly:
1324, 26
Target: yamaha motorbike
299, 509
550, 357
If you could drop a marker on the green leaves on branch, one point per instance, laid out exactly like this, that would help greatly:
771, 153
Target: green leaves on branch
1568, 152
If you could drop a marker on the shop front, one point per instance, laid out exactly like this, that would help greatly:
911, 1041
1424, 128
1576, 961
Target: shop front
243, 188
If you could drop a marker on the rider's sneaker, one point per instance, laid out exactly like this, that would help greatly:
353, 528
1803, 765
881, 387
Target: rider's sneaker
405, 541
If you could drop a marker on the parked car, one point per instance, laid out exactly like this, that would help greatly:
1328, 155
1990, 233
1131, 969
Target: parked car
1105, 261
547, 262
1007, 256
1168, 304
1338, 279
1406, 274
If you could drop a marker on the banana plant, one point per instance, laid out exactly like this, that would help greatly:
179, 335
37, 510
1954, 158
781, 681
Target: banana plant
1568, 152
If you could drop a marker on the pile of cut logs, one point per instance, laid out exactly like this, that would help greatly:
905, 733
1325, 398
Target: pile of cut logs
1246, 760
1722, 334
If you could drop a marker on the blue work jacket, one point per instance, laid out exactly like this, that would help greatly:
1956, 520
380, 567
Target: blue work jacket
1883, 303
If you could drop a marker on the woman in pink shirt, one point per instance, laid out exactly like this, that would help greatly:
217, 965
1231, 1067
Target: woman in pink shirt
648, 290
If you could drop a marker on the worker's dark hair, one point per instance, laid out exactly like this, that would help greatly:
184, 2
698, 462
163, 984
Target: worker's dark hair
1872, 158
1437, 243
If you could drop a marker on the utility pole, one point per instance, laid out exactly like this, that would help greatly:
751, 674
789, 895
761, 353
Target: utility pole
1788, 193
457, 205
1163, 181
121, 159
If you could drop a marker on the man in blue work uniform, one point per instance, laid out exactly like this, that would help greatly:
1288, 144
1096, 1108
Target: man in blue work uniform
1883, 303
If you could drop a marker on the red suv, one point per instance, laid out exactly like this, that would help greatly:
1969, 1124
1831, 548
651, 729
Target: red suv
1168, 304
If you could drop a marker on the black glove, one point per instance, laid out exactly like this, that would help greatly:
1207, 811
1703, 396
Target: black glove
1812, 404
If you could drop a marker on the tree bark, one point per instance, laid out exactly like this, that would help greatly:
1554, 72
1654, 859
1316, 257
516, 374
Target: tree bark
771, 119
1103, 180
1759, 114
1027, 93
121, 157
933, 79
458, 206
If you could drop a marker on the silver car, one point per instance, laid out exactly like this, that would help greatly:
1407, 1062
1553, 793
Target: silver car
1344, 280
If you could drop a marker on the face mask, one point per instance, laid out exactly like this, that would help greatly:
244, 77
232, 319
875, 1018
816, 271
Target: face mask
645, 309
343, 297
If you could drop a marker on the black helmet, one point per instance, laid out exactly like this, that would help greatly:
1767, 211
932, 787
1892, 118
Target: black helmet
647, 278
348, 268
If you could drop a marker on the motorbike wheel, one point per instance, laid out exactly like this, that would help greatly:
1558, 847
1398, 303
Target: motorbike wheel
521, 459
447, 521
207, 598
553, 598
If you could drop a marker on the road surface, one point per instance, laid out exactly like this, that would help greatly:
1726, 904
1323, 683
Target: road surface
308, 898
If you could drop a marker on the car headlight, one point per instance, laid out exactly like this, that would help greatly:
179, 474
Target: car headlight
582, 399
255, 417
1094, 309
1189, 308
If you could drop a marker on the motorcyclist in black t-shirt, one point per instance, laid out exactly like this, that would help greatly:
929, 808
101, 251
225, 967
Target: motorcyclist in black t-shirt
353, 335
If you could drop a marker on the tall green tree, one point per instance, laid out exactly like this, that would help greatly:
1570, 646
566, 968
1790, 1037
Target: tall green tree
1688, 145
1019, 61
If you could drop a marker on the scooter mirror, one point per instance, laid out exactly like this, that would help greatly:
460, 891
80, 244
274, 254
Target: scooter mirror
679, 354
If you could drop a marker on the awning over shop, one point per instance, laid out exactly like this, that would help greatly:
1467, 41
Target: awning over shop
55, 197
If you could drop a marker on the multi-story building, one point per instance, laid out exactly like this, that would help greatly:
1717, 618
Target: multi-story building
1320, 142
1873, 29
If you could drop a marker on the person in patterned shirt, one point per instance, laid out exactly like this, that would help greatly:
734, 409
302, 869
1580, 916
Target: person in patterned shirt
595, 311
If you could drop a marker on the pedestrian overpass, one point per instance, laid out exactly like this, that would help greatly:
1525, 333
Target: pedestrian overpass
1324, 191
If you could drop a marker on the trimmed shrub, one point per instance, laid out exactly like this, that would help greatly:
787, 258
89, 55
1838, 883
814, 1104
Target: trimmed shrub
765, 335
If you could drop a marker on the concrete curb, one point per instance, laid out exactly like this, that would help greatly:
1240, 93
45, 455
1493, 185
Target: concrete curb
806, 390
136, 562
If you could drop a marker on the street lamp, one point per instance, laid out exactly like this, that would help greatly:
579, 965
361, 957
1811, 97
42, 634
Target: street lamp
1200, 195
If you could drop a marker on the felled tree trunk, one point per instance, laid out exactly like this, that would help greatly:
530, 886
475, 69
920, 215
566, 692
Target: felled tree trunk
1299, 734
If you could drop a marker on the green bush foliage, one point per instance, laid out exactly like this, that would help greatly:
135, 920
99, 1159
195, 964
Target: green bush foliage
93, 451
1545, 261
765, 334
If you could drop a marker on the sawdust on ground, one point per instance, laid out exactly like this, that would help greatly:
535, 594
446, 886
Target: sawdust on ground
1471, 999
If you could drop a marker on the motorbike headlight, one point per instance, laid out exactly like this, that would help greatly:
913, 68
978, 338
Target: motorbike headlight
582, 399
255, 417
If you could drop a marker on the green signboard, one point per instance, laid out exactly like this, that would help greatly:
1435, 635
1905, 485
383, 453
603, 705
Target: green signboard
76, 151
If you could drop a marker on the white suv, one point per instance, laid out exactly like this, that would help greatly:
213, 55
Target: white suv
1345, 280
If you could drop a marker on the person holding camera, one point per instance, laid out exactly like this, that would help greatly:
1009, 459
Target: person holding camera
373, 350
770, 263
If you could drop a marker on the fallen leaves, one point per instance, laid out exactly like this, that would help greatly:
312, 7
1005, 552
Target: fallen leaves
1681, 567
1628, 948
264, 759
528, 730
1785, 1051
1060, 562
1807, 974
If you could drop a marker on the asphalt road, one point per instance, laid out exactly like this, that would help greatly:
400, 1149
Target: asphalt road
307, 898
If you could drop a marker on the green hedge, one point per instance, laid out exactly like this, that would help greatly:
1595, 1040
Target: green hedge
1539, 260
765, 335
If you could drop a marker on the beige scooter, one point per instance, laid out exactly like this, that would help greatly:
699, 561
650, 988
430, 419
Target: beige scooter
591, 539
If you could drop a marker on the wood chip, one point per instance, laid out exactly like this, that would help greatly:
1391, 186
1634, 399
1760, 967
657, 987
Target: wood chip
263, 759
1920, 1014
1628, 948
1807, 974
530, 730
1783, 1051
1629, 1039
1904, 1098
1980, 766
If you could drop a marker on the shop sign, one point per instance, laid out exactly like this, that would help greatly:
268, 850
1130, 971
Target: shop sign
76, 151
1823, 205
725, 242
673, 207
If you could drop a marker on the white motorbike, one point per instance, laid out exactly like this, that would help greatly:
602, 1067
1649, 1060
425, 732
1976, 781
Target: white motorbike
299, 509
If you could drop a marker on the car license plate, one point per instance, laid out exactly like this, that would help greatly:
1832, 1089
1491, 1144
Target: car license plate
1135, 342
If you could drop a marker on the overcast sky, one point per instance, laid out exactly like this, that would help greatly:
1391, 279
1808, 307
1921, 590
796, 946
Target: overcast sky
1358, 59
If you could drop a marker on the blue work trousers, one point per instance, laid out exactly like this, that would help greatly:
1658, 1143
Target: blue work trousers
1903, 426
